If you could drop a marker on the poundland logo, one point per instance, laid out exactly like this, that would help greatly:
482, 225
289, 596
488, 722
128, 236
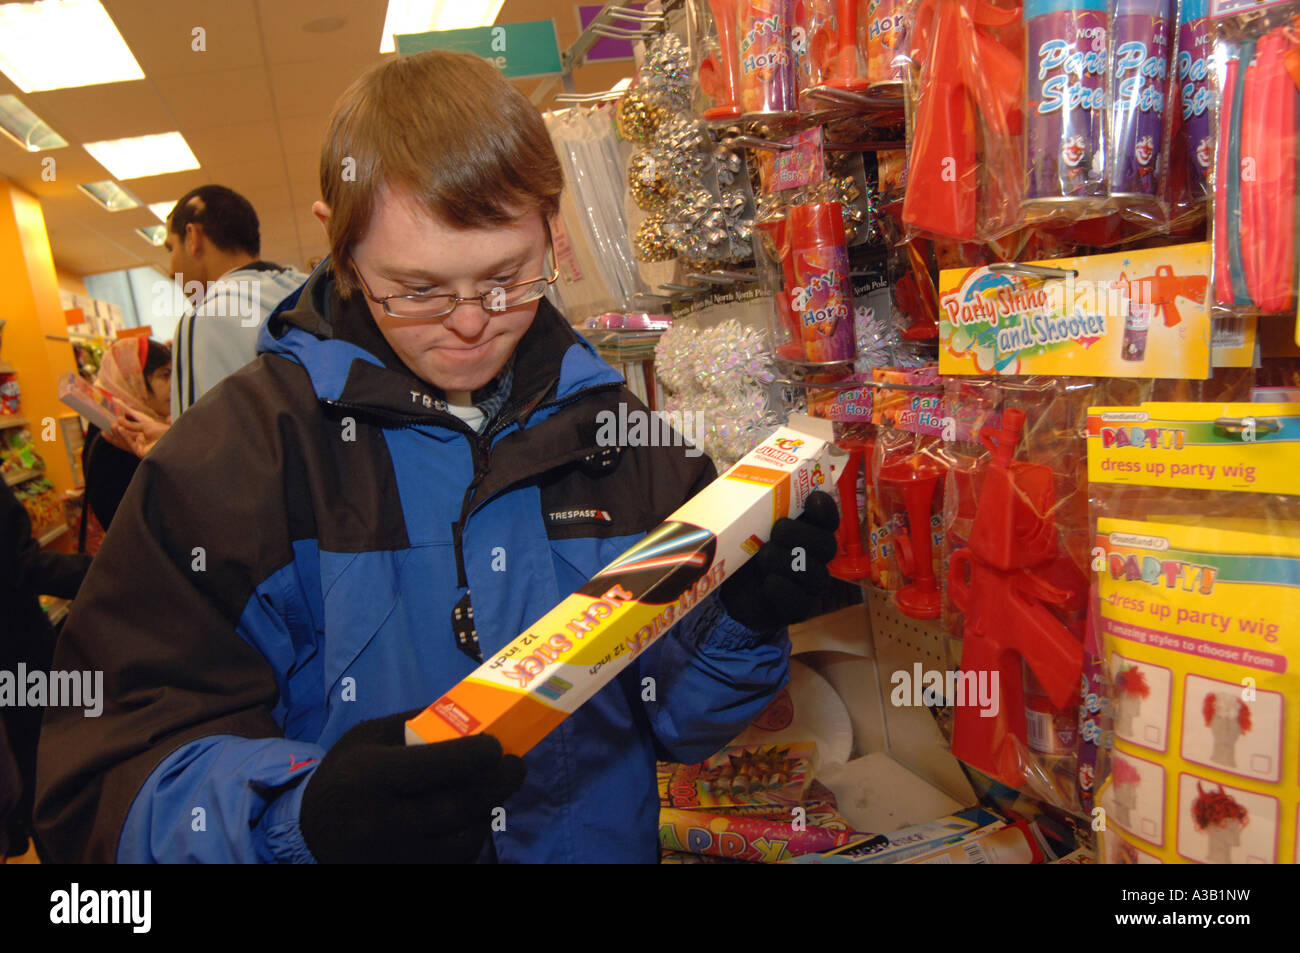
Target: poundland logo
77, 906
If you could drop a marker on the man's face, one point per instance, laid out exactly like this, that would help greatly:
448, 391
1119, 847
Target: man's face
408, 251
181, 262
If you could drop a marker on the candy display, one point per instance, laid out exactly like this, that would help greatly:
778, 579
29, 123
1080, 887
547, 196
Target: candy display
10, 394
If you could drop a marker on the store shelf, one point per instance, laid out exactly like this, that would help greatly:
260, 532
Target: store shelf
7, 368
914, 737
12, 420
13, 479
53, 534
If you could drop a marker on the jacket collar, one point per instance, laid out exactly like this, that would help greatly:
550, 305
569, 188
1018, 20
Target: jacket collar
351, 365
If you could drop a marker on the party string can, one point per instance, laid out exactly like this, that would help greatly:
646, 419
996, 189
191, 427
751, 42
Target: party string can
1192, 76
767, 67
1065, 115
823, 297
886, 30
1139, 39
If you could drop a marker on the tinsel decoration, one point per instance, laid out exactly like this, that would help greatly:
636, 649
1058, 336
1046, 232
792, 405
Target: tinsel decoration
638, 118
651, 241
666, 73
682, 152
649, 189
716, 374
697, 226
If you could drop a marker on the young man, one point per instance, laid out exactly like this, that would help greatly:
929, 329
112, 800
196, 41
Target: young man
214, 239
406, 479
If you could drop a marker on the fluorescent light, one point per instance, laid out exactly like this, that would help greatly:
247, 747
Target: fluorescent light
144, 155
424, 16
162, 209
154, 234
24, 127
109, 195
58, 44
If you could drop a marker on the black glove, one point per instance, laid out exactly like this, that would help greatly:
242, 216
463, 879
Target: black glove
768, 593
373, 799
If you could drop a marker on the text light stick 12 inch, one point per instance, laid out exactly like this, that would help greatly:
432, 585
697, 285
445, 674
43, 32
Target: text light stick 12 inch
524, 691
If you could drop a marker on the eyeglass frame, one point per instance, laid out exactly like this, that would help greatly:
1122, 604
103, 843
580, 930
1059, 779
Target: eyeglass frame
457, 300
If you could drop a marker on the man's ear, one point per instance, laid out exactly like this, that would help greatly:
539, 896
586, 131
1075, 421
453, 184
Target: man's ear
322, 213
194, 240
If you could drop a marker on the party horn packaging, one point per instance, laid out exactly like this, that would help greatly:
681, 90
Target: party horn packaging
524, 691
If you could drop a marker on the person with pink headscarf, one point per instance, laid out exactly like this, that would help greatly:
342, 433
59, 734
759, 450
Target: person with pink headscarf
137, 372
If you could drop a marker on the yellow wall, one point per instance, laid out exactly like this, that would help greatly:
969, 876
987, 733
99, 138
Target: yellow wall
70, 282
29, 300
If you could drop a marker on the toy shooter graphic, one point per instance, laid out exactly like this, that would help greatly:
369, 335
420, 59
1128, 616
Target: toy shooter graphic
1162, 290
1003, 582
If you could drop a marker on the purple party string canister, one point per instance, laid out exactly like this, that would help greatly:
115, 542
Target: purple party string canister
1139, 42
1065, 114
1192, 77
767, 67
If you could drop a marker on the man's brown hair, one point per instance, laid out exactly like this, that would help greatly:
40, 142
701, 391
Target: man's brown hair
449, 129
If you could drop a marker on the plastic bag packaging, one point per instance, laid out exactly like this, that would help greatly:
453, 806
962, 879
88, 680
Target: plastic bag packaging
896, 456
883, 33
1016, 515
594, 168
828, 53
715, 55
1257, 78
964, 164
1015, 524
1195, 520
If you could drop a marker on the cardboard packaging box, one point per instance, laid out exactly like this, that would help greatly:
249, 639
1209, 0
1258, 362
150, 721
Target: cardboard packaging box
543, 676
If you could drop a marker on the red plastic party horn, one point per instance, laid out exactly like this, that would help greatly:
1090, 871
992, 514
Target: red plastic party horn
916, 477
851, 563
720, 73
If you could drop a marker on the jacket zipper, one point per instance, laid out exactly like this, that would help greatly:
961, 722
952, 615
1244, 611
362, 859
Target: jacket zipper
480, 450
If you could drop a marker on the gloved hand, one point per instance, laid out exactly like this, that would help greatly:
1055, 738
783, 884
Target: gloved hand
373, 799
768, 593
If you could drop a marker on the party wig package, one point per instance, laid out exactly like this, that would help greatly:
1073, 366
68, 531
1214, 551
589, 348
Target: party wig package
1196, 607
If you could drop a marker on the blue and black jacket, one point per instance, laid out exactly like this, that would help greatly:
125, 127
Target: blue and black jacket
286, 563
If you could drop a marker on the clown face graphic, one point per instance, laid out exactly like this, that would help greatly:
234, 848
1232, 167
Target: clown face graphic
1075, 149
1144, 150
1204, 153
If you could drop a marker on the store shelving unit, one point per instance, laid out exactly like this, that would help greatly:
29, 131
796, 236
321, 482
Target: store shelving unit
14, 479
51, 535
12, 420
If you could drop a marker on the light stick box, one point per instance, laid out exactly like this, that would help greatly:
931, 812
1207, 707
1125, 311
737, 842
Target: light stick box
543, 676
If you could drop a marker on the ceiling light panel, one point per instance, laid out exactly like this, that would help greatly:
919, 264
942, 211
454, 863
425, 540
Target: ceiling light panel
424, 16
24, 127
144, 155
60, 44
109, 195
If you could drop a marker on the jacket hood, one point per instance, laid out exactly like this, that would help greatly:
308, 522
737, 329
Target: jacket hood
551, 361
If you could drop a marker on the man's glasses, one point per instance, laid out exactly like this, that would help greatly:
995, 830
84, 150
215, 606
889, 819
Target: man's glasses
440, 305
